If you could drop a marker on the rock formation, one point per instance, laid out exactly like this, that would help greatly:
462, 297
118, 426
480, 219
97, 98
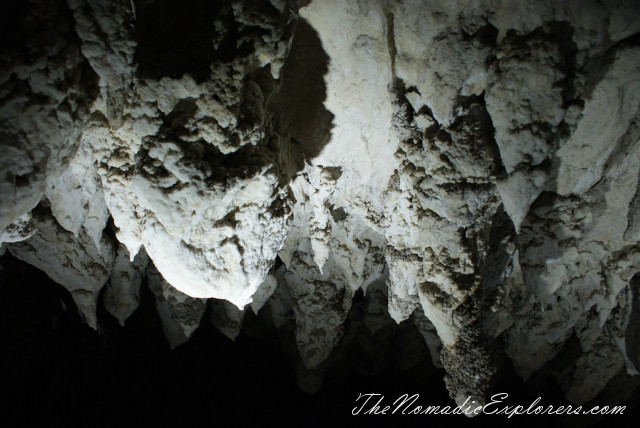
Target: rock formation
471, 167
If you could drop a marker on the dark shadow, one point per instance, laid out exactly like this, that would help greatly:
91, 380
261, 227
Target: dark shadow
175, 38
39, 43
300, 117
297, 116
60, 371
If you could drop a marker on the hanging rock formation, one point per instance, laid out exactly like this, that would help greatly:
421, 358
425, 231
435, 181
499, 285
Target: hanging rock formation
470, 167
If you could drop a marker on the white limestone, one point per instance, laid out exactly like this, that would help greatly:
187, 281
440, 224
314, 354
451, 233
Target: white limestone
479, 158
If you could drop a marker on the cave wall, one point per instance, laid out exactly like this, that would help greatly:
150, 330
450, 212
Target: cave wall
475, 165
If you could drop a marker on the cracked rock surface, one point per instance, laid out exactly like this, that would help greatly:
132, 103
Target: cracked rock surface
471, 168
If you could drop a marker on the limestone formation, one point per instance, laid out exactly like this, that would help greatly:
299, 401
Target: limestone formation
471, 168
122, 294
74, 261
180, 314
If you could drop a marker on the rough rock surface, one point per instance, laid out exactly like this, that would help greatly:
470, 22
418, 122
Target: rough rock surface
190, 126
47, 89
122, 294
226, 317
180, 314
74, 261
471, 167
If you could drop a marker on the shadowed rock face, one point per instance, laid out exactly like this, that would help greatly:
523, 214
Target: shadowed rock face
472, 170
632, 337
47, 89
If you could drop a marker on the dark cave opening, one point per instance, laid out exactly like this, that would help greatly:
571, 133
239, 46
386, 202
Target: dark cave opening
57, 370
175, 38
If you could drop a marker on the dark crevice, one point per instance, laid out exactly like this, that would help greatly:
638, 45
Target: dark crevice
176, 38
477, 114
